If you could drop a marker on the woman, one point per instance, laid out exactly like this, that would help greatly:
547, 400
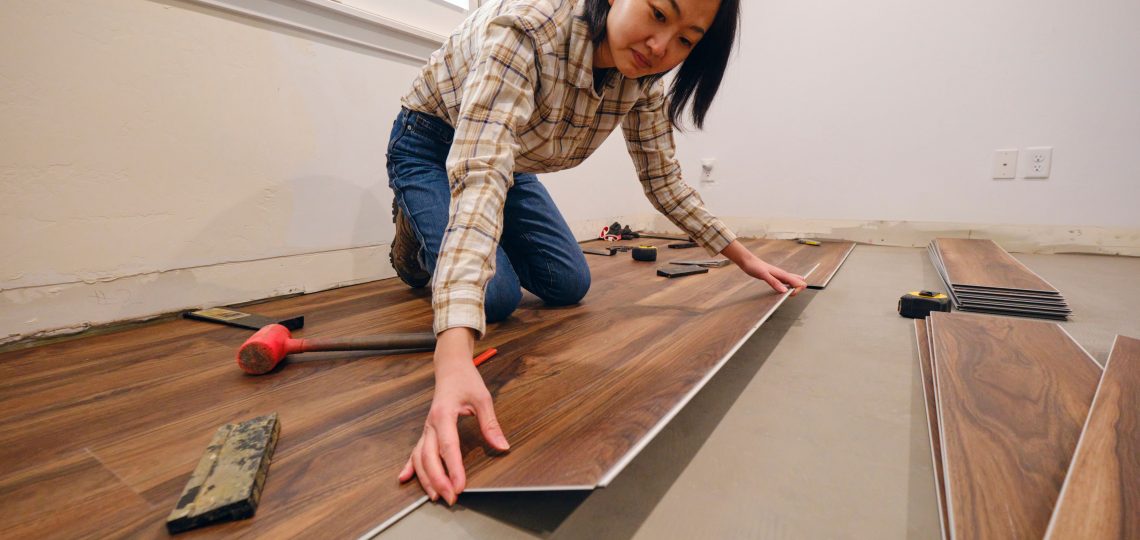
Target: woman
527, 86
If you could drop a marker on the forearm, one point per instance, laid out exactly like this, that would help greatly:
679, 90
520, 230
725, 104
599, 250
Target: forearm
738, 254
454, 348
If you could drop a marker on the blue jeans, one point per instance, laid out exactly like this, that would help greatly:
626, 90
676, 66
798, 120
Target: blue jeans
536, 251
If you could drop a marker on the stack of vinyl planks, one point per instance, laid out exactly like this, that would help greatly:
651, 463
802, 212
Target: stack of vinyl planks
983, 277
1007, 400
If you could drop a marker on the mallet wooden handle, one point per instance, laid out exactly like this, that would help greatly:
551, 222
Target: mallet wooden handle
268, 346
382, 342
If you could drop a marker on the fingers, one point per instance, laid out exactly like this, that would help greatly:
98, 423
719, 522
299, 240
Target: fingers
433, 466
796, 281
776, 284
489, 425
421, 473
452, 457
407, 472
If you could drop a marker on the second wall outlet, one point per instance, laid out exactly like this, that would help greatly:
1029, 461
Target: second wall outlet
1005, 164
1039, 160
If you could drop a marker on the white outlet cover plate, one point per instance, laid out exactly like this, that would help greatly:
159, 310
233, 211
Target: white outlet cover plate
1038, 162
1005, 164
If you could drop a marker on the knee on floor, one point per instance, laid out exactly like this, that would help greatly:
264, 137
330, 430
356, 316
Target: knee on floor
568, 290
499, 303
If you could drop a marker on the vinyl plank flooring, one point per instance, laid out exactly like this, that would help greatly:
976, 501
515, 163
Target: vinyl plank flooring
1000, 291
597, 404
1014, 312
831, 255
984, 304
578, 390
926, 372
37, 500
984, 264
1031, 301
1012, 395
1101, 495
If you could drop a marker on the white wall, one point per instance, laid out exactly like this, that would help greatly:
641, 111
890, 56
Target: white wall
891, 110
158, 156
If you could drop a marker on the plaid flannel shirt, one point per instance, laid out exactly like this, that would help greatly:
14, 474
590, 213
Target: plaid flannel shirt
516, 82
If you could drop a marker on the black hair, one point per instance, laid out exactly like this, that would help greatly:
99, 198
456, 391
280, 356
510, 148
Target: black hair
699, 76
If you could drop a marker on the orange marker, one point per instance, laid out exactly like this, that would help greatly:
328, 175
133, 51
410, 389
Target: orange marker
487, 354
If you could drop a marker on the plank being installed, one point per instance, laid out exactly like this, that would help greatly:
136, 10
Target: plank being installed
925, 369
830, 254
1101, 495
590, 394
99, 434
1012, 395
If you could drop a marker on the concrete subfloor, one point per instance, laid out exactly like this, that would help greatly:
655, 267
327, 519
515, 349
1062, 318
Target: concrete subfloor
815, 429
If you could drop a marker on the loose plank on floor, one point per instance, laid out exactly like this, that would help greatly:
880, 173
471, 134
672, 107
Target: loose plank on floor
926, 373
1101, 495
1012, 395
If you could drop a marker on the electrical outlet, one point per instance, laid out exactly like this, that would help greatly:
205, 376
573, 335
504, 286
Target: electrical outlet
1005, 164
707, 165
1040, 161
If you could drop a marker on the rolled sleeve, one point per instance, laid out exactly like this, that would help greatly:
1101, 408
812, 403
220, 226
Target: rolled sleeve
649, 138
499, 97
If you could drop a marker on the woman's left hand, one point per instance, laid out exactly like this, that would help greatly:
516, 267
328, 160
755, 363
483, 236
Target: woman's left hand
776, 277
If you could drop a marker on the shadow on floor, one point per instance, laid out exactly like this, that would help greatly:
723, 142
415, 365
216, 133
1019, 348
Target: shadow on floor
618, 510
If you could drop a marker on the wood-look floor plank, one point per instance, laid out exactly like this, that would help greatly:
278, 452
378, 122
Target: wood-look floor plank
41, 501
964, 296
581, 404
834, 254
982, 263
1013, 312
139, 406
986, 304
1012, 395
926, 373
1101, 495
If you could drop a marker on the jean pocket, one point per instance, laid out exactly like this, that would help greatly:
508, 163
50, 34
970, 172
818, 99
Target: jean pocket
432, 128
399, 129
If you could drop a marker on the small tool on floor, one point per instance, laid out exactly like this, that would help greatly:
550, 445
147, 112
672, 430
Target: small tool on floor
617, 232
919, 304
663, 237
707, 263
645, 253
679, 271
682, 245
606, 250
226, 485
487, 354
243, 320
807, 242
268, 346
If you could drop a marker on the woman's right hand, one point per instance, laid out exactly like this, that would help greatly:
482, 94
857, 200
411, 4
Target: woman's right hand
459, 391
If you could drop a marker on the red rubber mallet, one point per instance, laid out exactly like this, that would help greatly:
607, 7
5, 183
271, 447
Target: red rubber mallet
268, 346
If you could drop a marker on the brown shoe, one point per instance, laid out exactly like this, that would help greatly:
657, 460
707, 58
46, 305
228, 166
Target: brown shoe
405, 251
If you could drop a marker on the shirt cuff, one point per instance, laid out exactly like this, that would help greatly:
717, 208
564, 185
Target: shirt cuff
459, 307
717, 237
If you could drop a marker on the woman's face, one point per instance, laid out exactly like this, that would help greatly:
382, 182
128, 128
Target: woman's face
647, 37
